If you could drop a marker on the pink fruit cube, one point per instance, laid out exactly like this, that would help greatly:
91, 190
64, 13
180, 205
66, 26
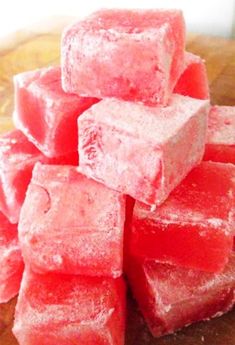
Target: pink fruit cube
45, 113
11, 261
135, 55
195, 226
17, 159
55, 309
172, 297
72, 224
220, 146
142, 151
193, 81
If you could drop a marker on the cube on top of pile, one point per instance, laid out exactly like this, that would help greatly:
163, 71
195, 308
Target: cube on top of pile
17, 159
45, 113
142, 151
71, 224
134, 55
195, 226
220, 146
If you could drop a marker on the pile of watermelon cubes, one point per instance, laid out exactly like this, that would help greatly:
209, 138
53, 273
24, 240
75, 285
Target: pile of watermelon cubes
118, 172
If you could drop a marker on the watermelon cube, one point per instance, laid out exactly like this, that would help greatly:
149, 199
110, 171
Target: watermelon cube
71, 224
172, 297
193, 81
46, 114
57, 309
17, 159
195, 226
139, 150
11, 261
220, 146
134, 55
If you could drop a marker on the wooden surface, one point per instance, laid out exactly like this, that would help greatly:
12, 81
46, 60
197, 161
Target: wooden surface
34, 48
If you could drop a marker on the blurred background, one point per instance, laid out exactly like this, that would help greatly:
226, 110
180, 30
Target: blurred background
213, 17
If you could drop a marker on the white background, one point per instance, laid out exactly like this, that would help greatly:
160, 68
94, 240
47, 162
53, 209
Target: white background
214, 17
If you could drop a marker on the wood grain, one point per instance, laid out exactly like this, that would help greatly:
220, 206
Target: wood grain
37, 48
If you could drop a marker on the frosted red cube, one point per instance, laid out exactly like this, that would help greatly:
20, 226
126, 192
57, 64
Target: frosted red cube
61, 309
72, 224
193, 81
142, 151
172, 297
17, 159
195, 226
11, 261
45, 113
135, 55
220, 146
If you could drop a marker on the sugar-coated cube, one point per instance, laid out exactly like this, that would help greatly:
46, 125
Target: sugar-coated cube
56, 309
139, 150
193, 81
45, 113
72, 224
172, 297
220, 145
11, 261
135, 55
17, 159
195, 226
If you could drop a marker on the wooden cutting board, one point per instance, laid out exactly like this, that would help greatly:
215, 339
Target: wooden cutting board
37, 47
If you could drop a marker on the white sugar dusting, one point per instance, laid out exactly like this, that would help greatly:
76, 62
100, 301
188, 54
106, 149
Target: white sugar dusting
57, 259
216, 222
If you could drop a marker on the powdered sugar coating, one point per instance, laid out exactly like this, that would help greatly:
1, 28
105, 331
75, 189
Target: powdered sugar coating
221, 126
17, 159
172, 297
45, 113
81, 235
193, 81
195, 226
129, 54
71, 308
220, 146
155, 124
142, 151
11, 261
